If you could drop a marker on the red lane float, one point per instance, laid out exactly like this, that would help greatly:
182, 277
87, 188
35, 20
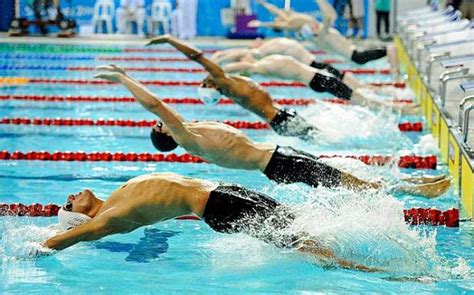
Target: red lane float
404, 127
187, 83
411, 162
117, 122
200, 70
430, 216
414, 216
173, 100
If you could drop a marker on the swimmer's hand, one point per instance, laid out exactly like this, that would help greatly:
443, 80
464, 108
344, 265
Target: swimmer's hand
111, 68
112, 73
159, 40
38, 249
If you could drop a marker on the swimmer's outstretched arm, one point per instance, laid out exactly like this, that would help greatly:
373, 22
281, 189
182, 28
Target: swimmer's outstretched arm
148, 100
275, 24
195, 54
328, 12
95, 229
273, 9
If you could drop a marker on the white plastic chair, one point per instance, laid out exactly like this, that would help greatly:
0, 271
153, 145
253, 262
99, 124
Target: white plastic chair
160, 14
124, 20
103, 12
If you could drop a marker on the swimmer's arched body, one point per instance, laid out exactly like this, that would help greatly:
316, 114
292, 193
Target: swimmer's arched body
328, 38
282, 46
287, 67
152, 198
229, 147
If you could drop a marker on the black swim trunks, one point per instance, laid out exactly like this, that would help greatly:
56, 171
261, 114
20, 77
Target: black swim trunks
289, 165
288, 123
323, 83
362, 57
235, 209
330, 69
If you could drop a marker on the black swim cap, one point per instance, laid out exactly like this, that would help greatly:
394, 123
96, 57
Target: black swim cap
162, 142
277, 30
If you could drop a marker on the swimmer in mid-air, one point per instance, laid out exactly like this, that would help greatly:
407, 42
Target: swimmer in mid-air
243, 91
284, 19
259, 49
152, 198
328, 38
287, 67
228, 147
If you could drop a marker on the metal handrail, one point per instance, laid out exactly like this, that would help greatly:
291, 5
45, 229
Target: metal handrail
433, 58
448, 76
463, 102
465, 124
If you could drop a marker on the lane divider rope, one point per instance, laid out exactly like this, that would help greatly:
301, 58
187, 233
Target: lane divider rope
82, 49
408, 161
115, 58
413, 216
161, 69
240, 124
172, 100
181, 83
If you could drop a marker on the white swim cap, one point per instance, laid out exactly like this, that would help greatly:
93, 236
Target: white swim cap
209, 95
68, 219
306, 32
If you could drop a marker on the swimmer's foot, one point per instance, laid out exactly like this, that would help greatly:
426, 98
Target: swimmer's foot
424, 179
427, 190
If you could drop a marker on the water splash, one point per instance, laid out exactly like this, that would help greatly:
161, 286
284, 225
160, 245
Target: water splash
364, 228
21, 238
355, 127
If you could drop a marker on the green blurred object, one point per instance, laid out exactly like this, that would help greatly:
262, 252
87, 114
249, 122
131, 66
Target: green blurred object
382, 5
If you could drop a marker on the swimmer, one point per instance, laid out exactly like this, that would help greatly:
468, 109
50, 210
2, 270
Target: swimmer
283, 46
331, 40
243, 91
287, 67
228, 147
156, 197
284, 19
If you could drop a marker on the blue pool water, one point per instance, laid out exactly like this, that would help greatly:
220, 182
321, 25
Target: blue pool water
187, 256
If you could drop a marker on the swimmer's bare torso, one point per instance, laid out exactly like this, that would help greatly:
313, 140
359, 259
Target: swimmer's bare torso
226, 146
283, 46
280, 66
151, 198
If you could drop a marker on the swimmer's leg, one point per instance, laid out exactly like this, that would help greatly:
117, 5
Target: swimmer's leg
393, 60
424, 179
427, 190
360, 99
351, 81
321, 252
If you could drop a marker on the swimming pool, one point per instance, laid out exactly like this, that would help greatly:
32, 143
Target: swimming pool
178, 256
